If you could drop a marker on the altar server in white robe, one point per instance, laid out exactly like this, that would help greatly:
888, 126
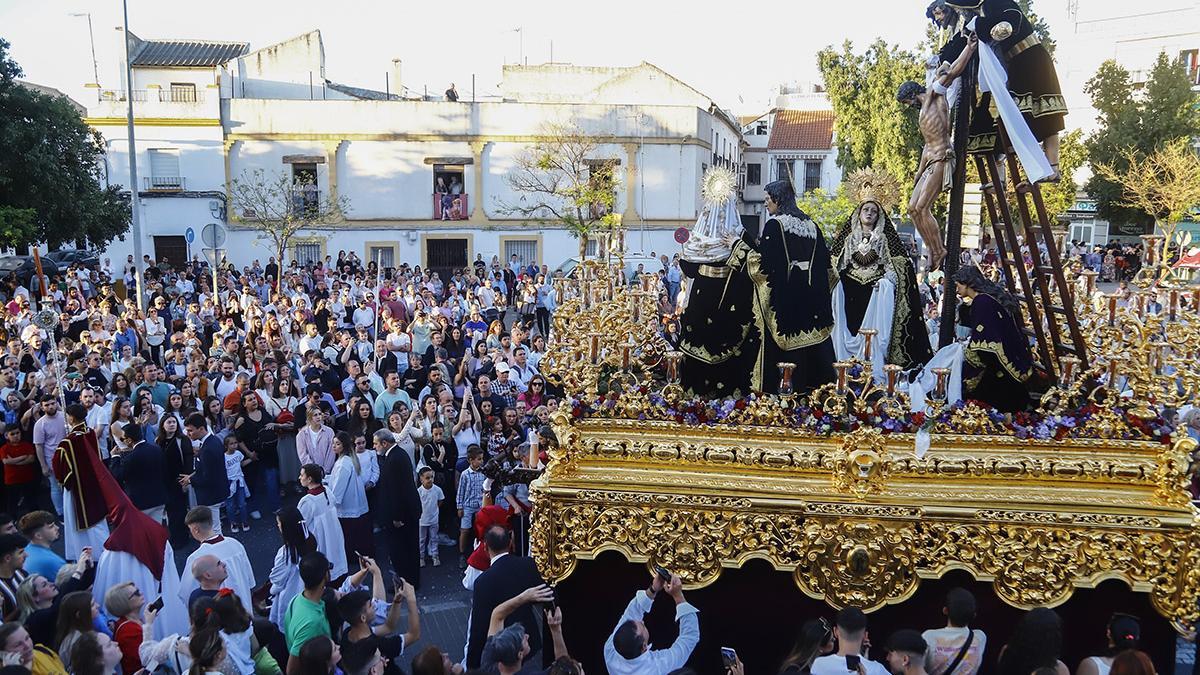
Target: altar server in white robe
229, 551
285, 572
320, 516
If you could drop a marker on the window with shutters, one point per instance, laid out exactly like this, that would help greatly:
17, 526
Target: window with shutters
783, 170
384, 255
812, 176
525, 250
754, 174
308, 252
182, 92
164, 170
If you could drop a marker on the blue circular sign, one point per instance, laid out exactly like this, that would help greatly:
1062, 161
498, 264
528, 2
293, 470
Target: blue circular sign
190, 235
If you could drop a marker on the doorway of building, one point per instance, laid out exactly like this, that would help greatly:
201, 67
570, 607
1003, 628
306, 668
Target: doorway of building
444, 256
173, 248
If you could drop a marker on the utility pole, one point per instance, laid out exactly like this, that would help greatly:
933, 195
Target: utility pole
136, 226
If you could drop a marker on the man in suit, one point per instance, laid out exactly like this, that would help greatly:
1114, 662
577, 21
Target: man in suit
398, 508
139, 465
209, 480
506, 578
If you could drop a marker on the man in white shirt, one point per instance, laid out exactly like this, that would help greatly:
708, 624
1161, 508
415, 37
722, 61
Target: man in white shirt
627, 651
364, 317
230, 552
850, 631
906, 652
98, 418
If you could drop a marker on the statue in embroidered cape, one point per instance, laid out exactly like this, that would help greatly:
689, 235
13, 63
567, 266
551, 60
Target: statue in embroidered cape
790, 272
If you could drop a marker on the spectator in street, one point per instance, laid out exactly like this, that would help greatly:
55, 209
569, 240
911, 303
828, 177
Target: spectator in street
1036, 642
906, 653
627, 650
1123, 633
956, 649
815, 639
507, 576
42, 530
850, 629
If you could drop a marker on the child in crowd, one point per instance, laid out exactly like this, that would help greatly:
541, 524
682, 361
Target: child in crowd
235, 505
470, 500
22, 476
431, 501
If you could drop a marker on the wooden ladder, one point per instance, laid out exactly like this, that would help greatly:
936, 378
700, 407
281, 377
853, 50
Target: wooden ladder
1047, 271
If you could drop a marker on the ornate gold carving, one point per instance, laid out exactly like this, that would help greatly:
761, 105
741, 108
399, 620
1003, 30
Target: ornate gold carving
860, 467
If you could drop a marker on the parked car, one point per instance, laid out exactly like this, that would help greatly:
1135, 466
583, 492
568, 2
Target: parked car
65, 257
25, 268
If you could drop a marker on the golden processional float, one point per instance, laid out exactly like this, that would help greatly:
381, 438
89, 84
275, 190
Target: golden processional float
830, 486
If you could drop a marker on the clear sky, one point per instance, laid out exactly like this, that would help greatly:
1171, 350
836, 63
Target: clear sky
731, 52
735, 53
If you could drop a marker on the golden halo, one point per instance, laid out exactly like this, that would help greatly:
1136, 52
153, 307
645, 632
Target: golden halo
718, 185
868, 184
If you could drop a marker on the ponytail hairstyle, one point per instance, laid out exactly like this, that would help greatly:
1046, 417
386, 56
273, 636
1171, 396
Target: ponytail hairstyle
228, 608
1124, 632
203, 614
295, 538
207, 648
347, 442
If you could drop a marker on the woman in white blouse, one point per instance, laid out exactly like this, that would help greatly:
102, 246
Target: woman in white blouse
285, 572
348, 489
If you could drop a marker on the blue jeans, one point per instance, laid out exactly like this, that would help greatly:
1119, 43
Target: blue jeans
266, 494
56, 495
235, 506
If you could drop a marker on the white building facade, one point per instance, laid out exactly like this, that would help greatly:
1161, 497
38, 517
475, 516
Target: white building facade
392, 158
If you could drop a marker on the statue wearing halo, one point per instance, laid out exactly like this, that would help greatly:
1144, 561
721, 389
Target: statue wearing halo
716, 319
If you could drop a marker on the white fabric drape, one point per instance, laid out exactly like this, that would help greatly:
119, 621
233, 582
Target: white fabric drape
950, 356
74, 540
878, 317
118, 567
993, 78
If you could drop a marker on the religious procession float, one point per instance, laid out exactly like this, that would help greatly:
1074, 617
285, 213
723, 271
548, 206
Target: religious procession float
800, 446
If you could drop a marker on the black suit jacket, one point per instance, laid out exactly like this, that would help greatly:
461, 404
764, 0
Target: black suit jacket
179, 460
142, 471
396, 494
508, 577
210, 480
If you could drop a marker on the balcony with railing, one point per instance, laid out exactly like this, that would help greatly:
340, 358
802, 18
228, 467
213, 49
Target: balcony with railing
175, 103
176, 95
306, 200
164, 183
447, 206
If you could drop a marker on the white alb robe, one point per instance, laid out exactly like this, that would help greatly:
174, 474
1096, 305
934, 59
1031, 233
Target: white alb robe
237, 565
74, 540
118, 567
320, 516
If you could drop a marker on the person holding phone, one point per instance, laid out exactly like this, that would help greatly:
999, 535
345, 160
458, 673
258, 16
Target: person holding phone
850, 629
627, 650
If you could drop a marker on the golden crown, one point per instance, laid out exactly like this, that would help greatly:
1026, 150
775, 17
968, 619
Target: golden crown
864, 185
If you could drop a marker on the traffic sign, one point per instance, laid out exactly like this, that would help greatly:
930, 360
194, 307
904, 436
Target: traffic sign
190, 235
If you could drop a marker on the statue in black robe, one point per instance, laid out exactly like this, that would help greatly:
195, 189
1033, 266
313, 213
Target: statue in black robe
716, 320
997, 363
1032, 77
791, 275
865, 249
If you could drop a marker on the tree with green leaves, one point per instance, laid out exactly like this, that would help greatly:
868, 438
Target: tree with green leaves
51, 171
1135, 123
279, 207
827, 210
560, 179
872, 128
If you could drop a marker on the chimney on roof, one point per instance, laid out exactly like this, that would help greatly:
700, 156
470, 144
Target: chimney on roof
397, 83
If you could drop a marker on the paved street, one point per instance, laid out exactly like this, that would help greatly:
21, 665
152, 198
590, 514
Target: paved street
444, 603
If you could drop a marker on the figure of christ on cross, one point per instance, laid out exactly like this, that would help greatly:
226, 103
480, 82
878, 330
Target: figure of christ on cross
936, 168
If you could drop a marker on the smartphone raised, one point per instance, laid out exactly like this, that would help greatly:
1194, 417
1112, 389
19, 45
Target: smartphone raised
728, 656
662, 573
852, 662
155, 606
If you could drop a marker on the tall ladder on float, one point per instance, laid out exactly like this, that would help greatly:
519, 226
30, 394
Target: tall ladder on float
1046, 271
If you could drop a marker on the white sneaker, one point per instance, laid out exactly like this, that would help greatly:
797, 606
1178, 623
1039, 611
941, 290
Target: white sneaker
437, 561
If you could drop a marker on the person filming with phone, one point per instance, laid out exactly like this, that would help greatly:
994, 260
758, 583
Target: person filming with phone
627, 651
850, 629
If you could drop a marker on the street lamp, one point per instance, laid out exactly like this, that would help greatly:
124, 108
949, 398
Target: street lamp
92, 40
136, 225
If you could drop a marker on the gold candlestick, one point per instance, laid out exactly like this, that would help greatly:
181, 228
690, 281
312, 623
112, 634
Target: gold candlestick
1113, 370
627, 353
842, 368
785, 377
674, 358
1089, 286
893, 374
1069, 364
868, 341
943, 376
1173, 307
1112, 308
594, 347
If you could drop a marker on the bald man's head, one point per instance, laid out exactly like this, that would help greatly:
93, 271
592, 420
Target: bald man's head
209, 571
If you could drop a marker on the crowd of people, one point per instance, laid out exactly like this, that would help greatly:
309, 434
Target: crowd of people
369, 419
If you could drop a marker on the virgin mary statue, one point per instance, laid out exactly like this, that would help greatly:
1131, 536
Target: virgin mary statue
877, 287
